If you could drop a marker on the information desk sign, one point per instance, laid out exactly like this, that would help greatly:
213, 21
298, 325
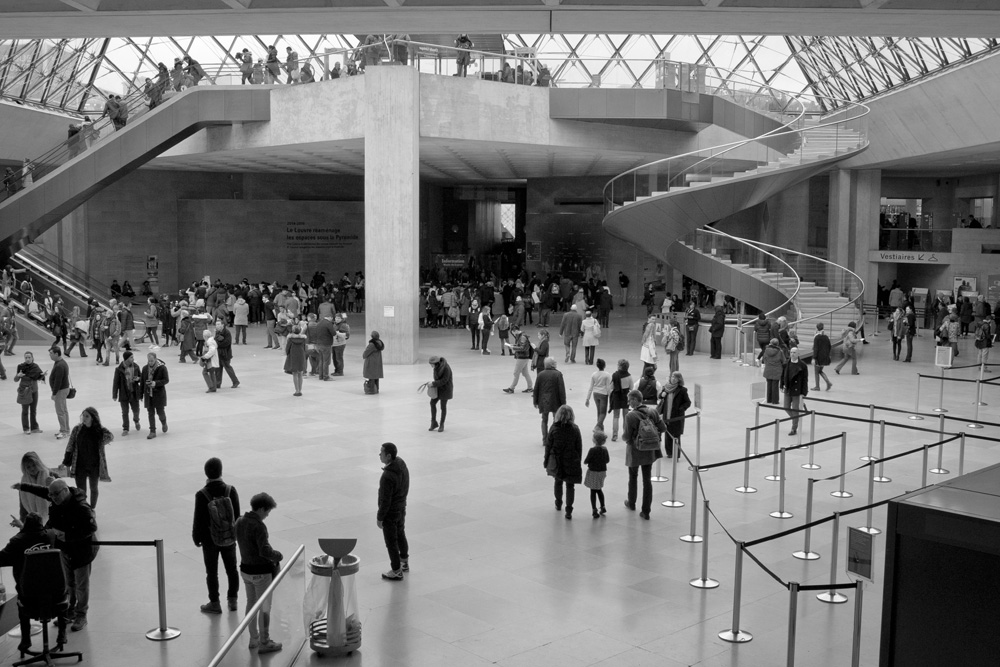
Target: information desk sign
860, 554
943, 356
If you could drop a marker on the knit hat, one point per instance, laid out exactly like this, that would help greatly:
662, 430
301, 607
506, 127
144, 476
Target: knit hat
434, 360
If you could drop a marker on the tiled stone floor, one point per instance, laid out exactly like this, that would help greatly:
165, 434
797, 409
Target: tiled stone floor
498, 576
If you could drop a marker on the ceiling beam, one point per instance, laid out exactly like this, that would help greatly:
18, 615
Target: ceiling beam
82, 5
872, 4
238, 5
711, 4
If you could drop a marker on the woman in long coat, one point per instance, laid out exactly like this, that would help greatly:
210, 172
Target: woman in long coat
443, 387
373, 360
85, 455
295, 355
563, 456
674, 402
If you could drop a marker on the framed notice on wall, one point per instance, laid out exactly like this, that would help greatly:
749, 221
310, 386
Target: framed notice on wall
993, 288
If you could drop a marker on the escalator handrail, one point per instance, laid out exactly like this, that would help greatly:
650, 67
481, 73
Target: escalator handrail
42, 261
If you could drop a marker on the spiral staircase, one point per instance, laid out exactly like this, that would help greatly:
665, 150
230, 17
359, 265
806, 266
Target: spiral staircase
667, 207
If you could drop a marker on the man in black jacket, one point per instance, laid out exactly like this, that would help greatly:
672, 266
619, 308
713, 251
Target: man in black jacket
30, 536
795, 383
391, 518
74, 525
224, 340
201, 533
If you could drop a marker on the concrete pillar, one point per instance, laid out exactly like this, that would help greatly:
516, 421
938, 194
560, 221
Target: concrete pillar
866, 196
839, 225
391, 109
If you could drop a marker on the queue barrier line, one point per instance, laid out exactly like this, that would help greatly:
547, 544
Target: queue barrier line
817, 522
944, 379
888, 409
162, 632
766, 569
744, 459
830, 587
981, 437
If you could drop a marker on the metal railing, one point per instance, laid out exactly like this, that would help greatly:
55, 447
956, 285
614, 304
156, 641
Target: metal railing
799, 137
73, 280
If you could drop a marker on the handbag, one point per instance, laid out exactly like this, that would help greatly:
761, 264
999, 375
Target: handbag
24, 396
71, 393
432, 392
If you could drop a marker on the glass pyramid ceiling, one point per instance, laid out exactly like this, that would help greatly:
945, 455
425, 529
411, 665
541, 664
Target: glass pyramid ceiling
75, 75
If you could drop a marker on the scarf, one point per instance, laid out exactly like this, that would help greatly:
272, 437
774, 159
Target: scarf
670, 387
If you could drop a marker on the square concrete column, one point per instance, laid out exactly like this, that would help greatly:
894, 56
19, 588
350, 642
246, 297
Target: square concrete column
391, 109
853, 223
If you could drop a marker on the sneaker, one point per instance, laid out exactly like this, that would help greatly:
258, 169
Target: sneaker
528, 390
232, 604
138, 428
404, 564
61, 434
393, 575
508, 390
269, 646
211, 608
36, 430
152, 434
124, 432
79, 624
254, 644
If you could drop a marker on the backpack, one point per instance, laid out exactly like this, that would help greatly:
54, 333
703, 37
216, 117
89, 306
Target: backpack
648, 437
113, 325
984, 336
221, 519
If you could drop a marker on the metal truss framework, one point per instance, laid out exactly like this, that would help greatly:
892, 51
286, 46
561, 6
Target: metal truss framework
76, 75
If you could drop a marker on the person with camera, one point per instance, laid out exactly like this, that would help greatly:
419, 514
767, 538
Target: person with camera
153, 383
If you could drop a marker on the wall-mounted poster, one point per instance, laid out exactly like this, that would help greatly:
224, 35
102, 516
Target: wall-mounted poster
964, 285
993, 288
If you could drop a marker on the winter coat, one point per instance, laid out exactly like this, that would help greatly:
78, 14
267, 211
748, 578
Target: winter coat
549, 393
241, 313
393, 487
718, 326
773, 361
795, 379
764, 329
591, 332
373, 359
670, 409
634, 456
821, 349
566, 445
75, 518
121, 390
443, 380
155, 396
87, 457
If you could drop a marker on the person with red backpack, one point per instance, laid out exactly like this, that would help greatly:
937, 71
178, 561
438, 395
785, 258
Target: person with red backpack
216, 507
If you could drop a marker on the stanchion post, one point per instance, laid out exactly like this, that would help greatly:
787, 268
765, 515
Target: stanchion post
806, 553
673, 502
704, 581
832, 596
163, 632
657, 477
774, 476
868, 528
881, 454
916, 407
756, 434
812, 465
979, 388
735, 635
793, 608
961, 454
940, 407
871, 432
746, 488
781, 513
923, 477
840, 493
940, 469
693, 536
859, 587
697, 438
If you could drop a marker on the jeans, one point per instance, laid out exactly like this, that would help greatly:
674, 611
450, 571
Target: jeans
29, 412
79, 586
647, 486
716, 348
692, 338
588, 353
227, 365
62, 412
570, 345
444, 410
601, 401
338, 359
793, 404
255, 585
909, 347
773, 395
82, 479
209, 375
852, 355
129, 402
394, 533
325, 358
570, 494
675, 364
545, 424
272, 338
820, 374
897, 345
474, 330
521, 368
211, 554
241, 334
485, 339
152, 413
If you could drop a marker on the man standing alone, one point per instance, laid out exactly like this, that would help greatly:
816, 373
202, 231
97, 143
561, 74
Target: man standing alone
391, 518
59, 383
258, 563
569, 329
154, 382
216, 507
224, 340
795, 382
623, 283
